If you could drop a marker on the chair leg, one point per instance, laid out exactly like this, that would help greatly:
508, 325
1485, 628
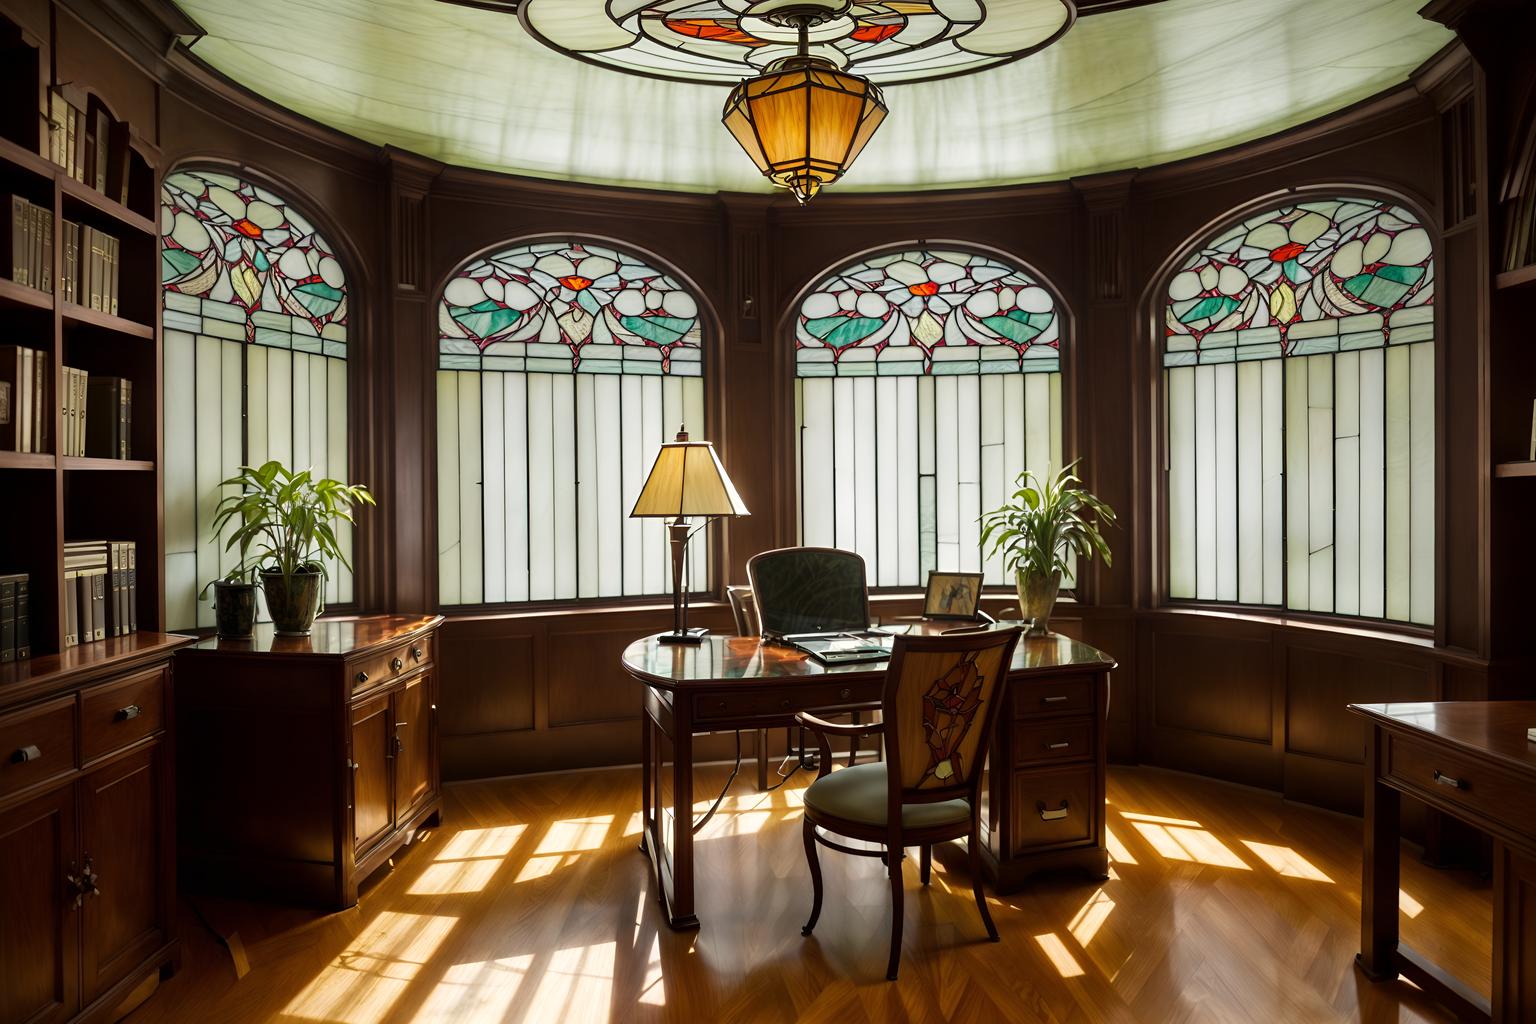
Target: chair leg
974, 853
927, 862
896, 918
809, 832
762, 760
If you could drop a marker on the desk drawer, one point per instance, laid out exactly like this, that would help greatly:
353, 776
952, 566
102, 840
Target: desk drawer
1052, 807
784, 701
120, 714
1460, 783
366, 673
1051, 740
1067, 695
37, 744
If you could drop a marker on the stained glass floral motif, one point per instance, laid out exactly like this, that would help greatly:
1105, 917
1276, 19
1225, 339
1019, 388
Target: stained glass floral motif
924, 311
253, 260
727, 40
567, 307
1303, 279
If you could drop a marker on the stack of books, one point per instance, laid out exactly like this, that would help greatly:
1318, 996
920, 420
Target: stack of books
89, 275
15, 618
26, 247
92, 148
101, 590
25, 415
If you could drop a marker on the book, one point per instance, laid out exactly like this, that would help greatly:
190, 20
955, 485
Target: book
7, 618
125, 423
71, 607
70, 272
45, 248
23, 619
12, 378
1532, 456
120, 620
28, 382
17, 257
133, 588
108, 416
100, 143
113, 249
42, 412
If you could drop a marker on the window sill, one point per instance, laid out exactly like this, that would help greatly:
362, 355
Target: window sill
1413, 636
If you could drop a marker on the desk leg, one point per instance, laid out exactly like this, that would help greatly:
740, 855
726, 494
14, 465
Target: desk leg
680, 899
647, 819
1379, 874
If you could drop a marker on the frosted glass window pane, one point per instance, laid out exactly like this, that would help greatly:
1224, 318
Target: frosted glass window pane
563, 483
887, 573
494, 490
1320, 480
1182, 553
817, 495
1298, 509
1372, 483
946, 431
1422, 469
541, 488
1399, 442
514, 443
968, 458
1205, 482
1249, 563
586, 483
908, 513
1225, 436
470, 536
449, 587
1346, 474
1274, 482
866, 539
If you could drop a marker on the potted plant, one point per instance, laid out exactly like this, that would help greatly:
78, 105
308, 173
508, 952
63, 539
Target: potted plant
288, 519
234, 602
1036, 528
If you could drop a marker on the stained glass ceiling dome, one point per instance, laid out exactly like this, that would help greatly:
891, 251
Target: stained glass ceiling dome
727, 40
1127, 85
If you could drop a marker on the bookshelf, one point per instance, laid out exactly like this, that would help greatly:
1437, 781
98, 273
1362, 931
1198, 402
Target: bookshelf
50, 498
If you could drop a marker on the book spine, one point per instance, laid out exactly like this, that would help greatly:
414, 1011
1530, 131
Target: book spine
23, 620
99, 605
124, 619
34, 247
71, 608
103, 132
40, 406
96, 268
10, 398
133, 587
24, 406
114, 251
71, 253
7, 620
83, 602
18, 240
69, 140
45, 247
66, 394
125, 419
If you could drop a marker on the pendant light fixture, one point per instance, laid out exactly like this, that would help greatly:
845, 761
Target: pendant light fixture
804, 121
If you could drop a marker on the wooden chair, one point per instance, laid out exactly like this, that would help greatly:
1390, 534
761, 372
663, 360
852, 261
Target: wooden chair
744, 610
941, 696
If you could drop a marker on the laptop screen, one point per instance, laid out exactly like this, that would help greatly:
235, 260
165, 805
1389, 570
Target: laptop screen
809, 590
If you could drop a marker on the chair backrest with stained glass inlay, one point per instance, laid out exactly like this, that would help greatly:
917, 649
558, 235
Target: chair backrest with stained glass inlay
941, 693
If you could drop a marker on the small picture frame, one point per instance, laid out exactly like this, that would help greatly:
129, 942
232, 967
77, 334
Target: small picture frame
952, 595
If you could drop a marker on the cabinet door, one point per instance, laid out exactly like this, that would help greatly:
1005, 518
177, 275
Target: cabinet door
373, 758
39, 925
414, 746
123, 846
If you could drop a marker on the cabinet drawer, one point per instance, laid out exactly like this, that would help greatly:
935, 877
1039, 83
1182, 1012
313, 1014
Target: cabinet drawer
1069, 695
366, 673
787, 701
1037, 742
122, 713
37, 744
1461, 783
1052, 807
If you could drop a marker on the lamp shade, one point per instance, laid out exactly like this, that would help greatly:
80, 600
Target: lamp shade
687, 480
804, 122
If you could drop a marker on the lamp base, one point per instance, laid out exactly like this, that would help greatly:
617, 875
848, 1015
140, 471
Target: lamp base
688, 636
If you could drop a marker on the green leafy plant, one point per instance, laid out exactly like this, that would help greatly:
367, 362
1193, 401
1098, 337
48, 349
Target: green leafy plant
1043, 520
285, 521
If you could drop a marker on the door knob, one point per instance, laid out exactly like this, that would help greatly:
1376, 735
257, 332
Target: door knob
416, 653
397, 664
362, 677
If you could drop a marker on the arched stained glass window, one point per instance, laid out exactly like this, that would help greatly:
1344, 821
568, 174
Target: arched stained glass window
255, 326
562, 367
1299, 372
927, 380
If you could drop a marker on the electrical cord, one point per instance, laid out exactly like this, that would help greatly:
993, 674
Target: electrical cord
723, 789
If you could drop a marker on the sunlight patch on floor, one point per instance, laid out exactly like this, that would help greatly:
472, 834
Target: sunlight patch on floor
363, 983
467, 861
1158, 819
1088, 920
1117, 851
577, 985
1286, 861
478, 991
652, 991
1408, 905
1175, 842
1061, 958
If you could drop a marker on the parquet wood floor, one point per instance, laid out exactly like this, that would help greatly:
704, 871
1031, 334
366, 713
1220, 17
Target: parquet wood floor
531, 904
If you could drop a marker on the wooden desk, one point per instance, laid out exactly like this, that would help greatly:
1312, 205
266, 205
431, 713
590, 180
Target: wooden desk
1044, 800
1471, 760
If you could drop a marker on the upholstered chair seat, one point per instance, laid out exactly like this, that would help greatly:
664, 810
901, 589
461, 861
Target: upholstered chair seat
860, 794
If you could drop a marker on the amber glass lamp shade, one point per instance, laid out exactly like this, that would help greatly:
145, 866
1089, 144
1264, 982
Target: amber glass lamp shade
687, 480
804, 122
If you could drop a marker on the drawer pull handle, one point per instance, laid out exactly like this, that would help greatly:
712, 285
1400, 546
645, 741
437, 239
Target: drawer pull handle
1053, 700
722, 705
1058, 746
1446, 780
1052, 815
124, 714
396, 664
415, 653
362, 677
844, 693
25, 754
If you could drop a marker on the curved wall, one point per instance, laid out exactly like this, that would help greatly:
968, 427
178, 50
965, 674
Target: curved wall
1253, 698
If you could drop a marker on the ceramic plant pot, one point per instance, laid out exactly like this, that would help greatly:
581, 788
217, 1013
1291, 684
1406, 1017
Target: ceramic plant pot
234, 609
292, 601
1037, 598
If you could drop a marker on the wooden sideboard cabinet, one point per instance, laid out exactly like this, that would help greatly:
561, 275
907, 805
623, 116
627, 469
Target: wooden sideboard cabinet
306, 762
87, 849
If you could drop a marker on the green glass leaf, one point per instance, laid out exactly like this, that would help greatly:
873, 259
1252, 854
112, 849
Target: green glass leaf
1385, 287
1018, 326
663, 330
1211, 307
842, 331
176, 264
484, 319
318, 297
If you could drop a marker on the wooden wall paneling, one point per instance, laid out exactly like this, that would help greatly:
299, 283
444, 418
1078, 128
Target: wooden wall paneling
489, 677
